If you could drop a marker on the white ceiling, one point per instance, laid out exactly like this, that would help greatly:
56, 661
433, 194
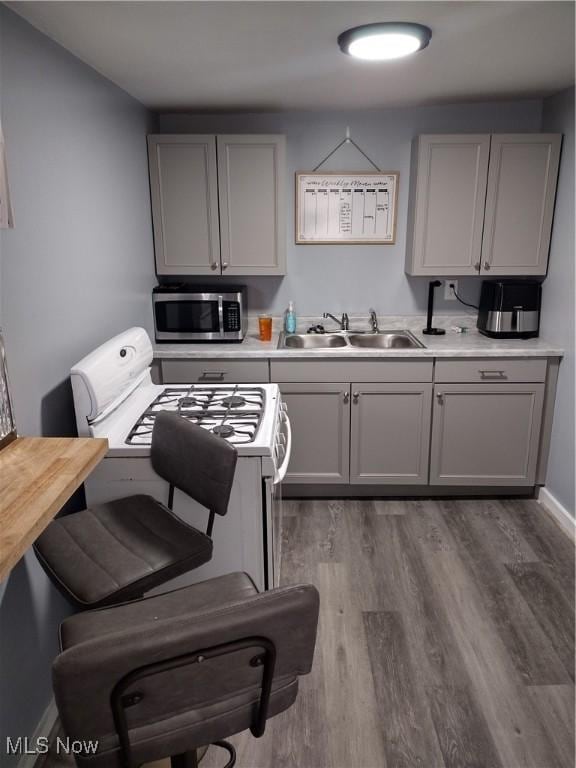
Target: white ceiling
283, 55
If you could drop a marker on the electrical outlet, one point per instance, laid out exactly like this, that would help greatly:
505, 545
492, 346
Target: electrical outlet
448, 292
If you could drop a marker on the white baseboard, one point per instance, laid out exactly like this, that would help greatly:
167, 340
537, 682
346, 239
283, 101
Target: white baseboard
558, 512
45, 729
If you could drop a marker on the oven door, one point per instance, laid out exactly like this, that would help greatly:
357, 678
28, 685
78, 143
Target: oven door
273, 506
185, 317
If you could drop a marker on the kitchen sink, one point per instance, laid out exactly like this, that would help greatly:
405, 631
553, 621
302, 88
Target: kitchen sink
311, 341
385, 340
380, 340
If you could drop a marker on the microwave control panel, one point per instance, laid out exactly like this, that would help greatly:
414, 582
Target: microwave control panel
232, 321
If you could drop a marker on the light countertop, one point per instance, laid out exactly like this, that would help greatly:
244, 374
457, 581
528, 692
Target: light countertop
452, 344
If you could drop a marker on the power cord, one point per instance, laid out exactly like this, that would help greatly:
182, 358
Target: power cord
466, 304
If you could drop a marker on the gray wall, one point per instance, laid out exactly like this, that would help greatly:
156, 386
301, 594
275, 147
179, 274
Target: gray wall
77, 269
558, 301
354, 278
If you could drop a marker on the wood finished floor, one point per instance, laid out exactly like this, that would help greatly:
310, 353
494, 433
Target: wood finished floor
446, 639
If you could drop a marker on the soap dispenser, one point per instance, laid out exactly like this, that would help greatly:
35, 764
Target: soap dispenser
290, 319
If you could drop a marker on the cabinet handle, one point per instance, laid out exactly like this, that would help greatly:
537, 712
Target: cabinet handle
214, 265
487, 266
224, 265
346, 397
356, 397
440, 398
477, 266
492, 374
215, 374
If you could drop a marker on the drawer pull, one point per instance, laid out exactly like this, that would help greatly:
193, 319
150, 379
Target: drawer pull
346, 397
487, 266
356, 396
215, 374
492, 375
440, 398
214, 265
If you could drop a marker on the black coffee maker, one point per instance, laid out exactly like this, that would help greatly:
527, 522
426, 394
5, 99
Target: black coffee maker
510, 309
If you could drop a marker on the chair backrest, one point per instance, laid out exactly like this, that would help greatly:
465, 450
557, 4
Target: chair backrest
193, 460
173, 703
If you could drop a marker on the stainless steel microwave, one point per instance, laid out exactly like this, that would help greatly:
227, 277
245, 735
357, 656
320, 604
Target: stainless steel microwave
191, 313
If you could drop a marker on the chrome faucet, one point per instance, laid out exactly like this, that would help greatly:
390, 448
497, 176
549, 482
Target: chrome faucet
374, 321
344, 322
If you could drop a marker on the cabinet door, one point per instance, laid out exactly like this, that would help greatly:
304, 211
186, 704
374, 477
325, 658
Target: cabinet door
485, 434
390, 433
251, 186
183, 186
520, 203
446, 210
320, 419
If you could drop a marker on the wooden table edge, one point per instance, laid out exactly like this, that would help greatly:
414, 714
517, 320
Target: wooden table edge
46, 514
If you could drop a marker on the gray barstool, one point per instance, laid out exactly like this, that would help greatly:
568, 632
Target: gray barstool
119, 550
162, 676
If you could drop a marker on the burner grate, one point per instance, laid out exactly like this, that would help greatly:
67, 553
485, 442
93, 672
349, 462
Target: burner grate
233, 413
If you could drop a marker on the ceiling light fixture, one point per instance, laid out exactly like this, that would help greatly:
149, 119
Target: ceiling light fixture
384, 40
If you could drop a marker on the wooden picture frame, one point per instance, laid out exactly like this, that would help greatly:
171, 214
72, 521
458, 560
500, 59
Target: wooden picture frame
7, 424
326, 212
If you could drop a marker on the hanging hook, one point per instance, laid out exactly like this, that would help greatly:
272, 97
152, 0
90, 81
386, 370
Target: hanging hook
346, 140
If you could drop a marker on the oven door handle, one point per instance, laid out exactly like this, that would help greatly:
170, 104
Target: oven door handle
280, 473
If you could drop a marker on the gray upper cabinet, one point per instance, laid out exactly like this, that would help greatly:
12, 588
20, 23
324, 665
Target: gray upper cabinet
218, 204
390, 433
481, 204
251, 184
320, 419
446, 207
184, 204
486, 434
520, 203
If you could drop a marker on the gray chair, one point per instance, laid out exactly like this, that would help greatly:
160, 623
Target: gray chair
162, 676
119, 550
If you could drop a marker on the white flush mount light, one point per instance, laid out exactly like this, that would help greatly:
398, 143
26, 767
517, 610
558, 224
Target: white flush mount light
385, 40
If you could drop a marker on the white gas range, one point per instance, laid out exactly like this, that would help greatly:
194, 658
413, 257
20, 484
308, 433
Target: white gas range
115, 398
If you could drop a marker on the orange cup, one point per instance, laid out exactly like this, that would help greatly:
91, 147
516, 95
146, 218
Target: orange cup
265, 327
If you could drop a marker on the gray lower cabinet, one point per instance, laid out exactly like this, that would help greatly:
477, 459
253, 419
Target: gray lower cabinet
215, 371
390, 433
486, 434
320, 419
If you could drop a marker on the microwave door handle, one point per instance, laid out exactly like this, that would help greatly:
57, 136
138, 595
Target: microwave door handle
221, 316
280, 473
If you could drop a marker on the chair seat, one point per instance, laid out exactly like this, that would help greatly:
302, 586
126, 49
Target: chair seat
116, 551
220, 591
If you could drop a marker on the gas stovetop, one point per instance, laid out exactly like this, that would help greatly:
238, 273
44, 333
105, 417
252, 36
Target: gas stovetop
233, 413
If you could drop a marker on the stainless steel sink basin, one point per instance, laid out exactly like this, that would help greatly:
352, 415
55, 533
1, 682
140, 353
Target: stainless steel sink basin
385, 340
311, 341
367, 340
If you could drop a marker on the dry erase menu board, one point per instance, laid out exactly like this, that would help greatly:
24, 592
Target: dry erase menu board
346, 207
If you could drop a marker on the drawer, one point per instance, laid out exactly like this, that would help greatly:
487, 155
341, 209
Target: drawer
215, 371
342, 370
490, 370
